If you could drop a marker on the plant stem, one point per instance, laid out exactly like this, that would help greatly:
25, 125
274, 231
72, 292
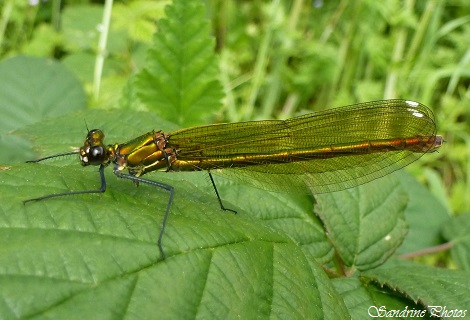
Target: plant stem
101, 54
6, 13
55, 17
439, 248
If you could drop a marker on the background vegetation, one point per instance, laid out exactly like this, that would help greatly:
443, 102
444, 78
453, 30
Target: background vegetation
276, 59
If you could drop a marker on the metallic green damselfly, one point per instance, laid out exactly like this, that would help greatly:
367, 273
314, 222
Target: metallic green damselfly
322, 152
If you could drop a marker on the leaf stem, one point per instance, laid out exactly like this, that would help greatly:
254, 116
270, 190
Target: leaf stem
101, 54
439, 248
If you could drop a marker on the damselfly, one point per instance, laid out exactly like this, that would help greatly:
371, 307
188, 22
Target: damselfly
323, 152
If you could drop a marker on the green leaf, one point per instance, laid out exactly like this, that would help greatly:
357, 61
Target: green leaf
80, 27
266, 260
180, 79
456, 231
82, 64
101, 249
425, 216
33, 89
137, 18
364, 299
288, 213
365, 224
431, 286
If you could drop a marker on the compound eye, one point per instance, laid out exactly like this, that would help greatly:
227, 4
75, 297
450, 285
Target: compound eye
94, 152
96, 155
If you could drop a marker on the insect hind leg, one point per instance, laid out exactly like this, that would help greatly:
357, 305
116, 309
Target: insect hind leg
156, 184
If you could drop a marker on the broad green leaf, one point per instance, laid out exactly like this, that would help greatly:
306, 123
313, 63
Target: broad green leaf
180, 79
430, 285
33, 89
82, 64
364, 300
288, 213
425, 216
102, 249
365, 224
456, 231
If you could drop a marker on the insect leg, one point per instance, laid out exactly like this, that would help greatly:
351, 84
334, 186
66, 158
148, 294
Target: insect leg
218, 196
55, 195
170, 200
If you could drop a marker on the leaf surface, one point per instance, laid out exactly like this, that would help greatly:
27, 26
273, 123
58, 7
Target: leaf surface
33, 89
365, 224
180, 80
103, 247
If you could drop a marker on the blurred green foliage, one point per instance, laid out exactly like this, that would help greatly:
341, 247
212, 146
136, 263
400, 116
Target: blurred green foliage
276, 59
279, 59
